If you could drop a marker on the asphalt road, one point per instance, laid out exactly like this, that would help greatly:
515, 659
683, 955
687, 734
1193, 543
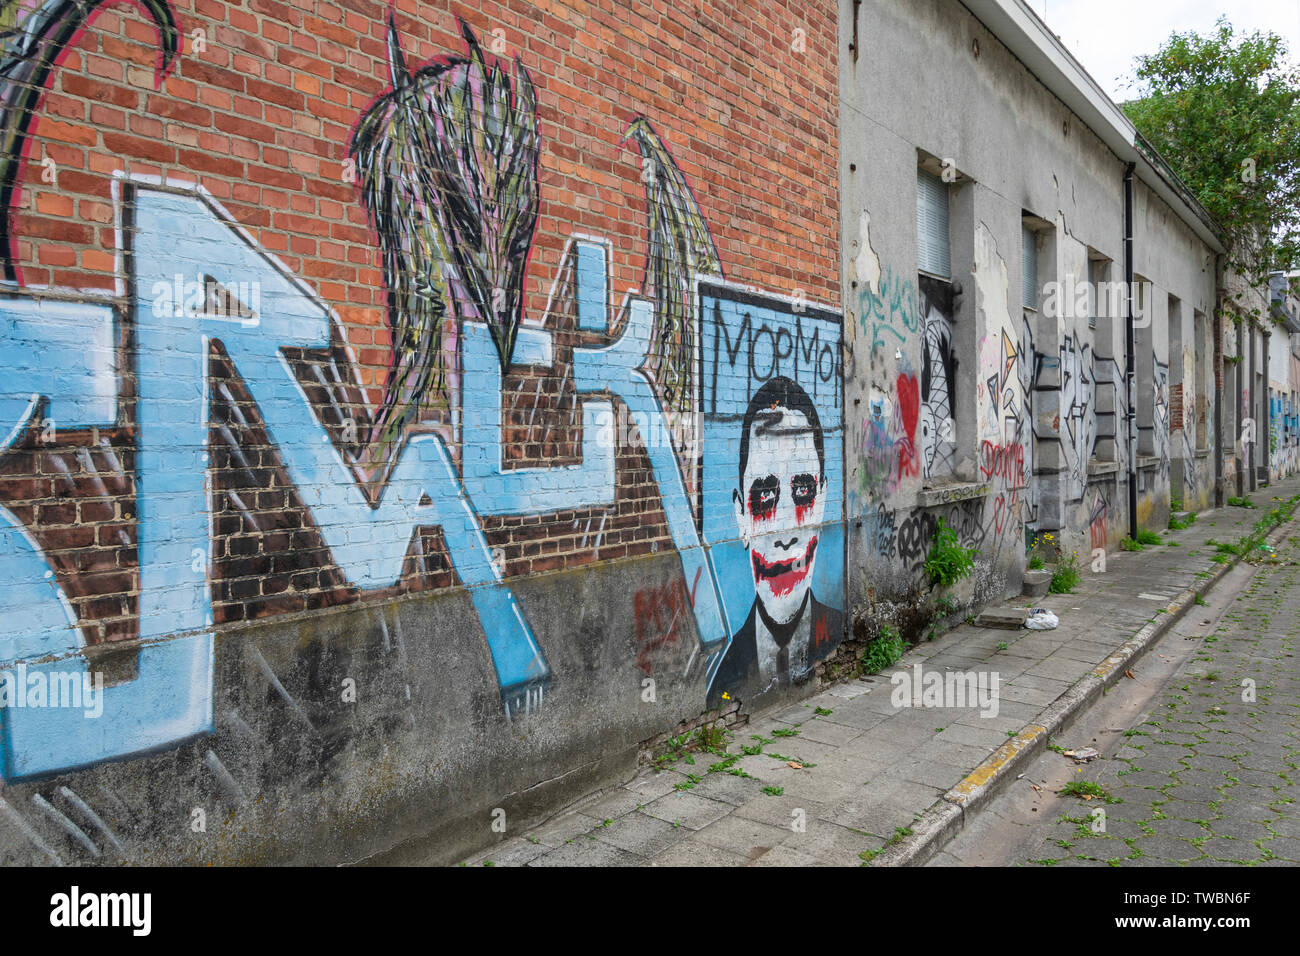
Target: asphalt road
1192, 770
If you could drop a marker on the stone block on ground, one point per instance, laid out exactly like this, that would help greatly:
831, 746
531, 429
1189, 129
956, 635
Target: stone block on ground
1007, 619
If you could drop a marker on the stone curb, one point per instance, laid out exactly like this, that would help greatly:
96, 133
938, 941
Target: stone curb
943, 820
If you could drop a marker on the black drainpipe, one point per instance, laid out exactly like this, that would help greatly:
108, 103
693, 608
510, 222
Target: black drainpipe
1239, 374
1220, 392
1130, 369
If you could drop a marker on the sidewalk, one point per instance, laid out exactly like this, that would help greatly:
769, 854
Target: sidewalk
847, 776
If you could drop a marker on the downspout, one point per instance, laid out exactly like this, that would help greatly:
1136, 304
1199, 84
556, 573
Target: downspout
1266, 407
1240, 368
1130, 369
1220, 496
1251, 406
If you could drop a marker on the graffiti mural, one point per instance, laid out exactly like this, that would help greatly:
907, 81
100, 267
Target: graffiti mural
1191, 473
908, 540
889, 452
1078, 413
1162, 411
878, 467
887, 310
1003, 389
1098, 515
1284, 437
938, 385
1112, 407
242, 380
34, 34
771, 500
661, 616
453, 202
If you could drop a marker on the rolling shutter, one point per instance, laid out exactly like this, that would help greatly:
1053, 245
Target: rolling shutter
932, 225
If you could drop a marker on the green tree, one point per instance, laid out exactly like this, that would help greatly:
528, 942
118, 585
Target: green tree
1223, 109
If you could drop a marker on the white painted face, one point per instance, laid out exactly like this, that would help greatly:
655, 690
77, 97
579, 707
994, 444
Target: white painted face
779, 509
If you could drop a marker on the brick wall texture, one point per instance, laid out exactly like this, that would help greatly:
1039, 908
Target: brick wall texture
258, 108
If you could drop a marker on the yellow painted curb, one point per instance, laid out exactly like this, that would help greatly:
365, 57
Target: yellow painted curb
987, 770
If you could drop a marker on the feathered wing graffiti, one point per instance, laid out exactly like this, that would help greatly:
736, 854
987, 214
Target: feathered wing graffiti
32, 35
447, 162
680, 247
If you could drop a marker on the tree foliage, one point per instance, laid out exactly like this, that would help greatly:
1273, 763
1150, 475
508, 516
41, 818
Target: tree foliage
1223, 109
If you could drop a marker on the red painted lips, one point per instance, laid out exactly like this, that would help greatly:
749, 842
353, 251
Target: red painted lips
785, 576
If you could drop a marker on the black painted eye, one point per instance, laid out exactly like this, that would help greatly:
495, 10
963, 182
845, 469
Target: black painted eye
763, 496
803, 489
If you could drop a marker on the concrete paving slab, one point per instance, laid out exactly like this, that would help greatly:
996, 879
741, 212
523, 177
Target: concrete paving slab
689, 810
875, 767
641, 834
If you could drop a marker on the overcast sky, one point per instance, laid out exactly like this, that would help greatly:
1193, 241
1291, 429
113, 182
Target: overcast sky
1090, 29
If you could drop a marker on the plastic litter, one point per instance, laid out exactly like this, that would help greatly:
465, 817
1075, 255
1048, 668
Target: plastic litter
1041, 619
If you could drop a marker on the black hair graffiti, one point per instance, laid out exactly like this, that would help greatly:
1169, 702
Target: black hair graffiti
779, 392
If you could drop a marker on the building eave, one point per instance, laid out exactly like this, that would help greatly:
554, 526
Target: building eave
1046, 57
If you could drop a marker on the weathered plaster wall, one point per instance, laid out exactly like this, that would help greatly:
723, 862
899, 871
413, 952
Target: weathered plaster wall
1038, 404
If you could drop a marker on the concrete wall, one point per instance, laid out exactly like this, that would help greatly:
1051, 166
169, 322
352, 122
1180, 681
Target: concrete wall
407, 418
1246, 390
1283, 433
1284, 383
1038, 405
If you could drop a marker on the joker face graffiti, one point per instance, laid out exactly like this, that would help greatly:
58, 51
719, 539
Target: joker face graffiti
781, 498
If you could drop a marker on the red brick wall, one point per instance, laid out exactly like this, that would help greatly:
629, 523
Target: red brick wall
258, 109
261, 119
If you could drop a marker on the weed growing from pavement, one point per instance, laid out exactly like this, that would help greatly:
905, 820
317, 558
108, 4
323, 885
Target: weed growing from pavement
900, 834
1066, 576
884, 652
1087, 790
689, 783
713, 735
948, 562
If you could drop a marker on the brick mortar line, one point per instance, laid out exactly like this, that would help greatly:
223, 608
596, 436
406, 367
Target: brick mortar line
948, 816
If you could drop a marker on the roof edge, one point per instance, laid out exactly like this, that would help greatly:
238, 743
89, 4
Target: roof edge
1047, 58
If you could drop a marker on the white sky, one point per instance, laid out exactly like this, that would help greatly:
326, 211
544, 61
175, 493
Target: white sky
1092, 31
